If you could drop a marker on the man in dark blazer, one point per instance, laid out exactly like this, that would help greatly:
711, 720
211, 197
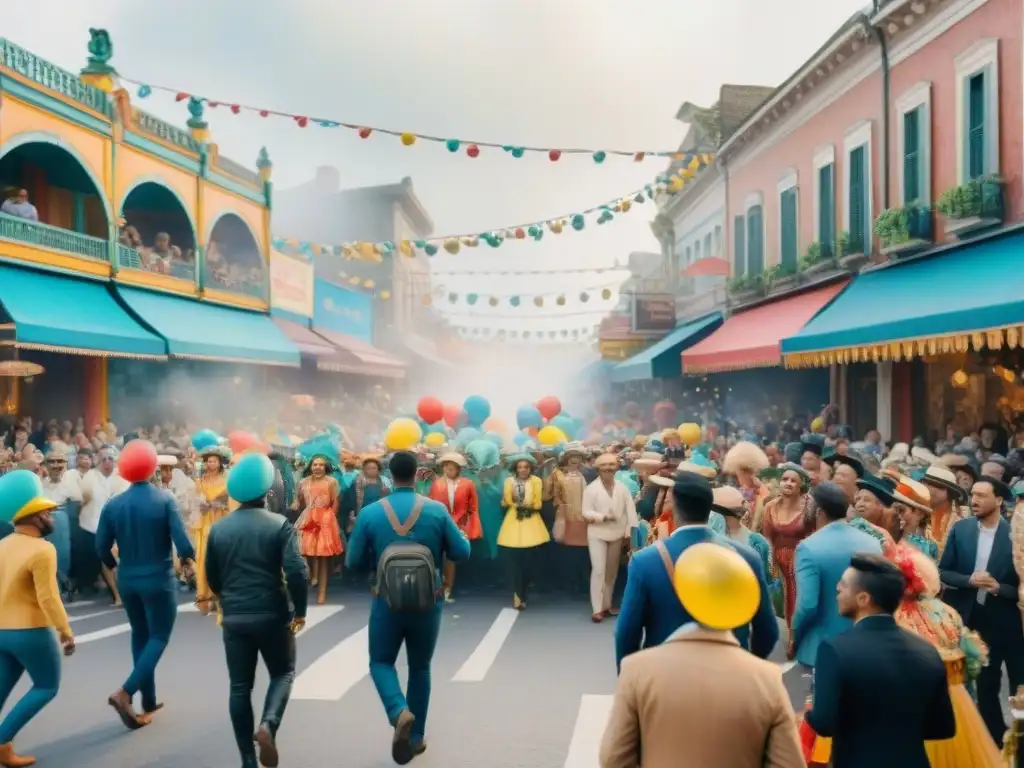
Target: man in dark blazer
981, 584
879, 692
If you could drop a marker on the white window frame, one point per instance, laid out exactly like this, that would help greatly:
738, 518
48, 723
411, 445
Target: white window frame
753, 200
859, 135
982, 56
786, 183
825, 156
919, 95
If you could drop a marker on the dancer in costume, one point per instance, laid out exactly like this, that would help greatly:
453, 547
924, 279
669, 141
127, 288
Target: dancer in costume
787, 522
570, 528
523, 529
319, 532
459, 496
729, 503
743, 461
212, 504
947, 498
913, 510
367, 487
30, 608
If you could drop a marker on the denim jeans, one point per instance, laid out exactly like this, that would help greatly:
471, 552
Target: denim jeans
419, 631
244, 643
151, 614
37, 652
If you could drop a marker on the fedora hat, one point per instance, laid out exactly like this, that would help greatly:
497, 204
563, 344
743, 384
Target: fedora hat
649, 462
573, 449
943, 477
453, 458
699, 464
661, 481
881, 486
913, 494
850, 461
728, 501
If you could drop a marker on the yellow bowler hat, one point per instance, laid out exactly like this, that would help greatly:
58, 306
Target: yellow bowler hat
21, 495
716, 586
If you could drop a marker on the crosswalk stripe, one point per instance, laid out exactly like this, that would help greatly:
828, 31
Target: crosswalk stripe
585, 747
477, 665
119, 629
317, 614
82, 616
787, 666
336, 672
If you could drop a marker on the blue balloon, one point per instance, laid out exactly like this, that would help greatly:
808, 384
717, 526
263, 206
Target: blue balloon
521, 439
250, 478
566, 424
528, 416
477, 409
494, 437
439, 428
466, 436
204, 439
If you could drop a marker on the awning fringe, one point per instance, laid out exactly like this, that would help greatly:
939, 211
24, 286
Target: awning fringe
82, 352
698, 369
234, 360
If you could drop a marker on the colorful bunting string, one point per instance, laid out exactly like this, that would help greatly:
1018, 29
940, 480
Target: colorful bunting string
670, 184
472, 148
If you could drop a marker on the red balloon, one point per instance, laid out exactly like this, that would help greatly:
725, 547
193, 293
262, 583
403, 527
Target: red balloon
452, 414
549, 407
239, 441
137, 461
430, 409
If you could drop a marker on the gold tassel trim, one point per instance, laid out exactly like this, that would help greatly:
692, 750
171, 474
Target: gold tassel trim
381, 371
697, 369
82, 352
1009, 337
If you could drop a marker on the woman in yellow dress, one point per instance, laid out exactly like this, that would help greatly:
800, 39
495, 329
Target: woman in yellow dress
213, 504
523, 529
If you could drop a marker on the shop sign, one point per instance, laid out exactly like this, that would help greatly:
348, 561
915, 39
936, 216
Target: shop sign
619, 350
291, 285
343, 310
653, 313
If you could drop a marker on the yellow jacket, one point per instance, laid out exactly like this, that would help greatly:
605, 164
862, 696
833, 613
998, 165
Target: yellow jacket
29, 595
534, 492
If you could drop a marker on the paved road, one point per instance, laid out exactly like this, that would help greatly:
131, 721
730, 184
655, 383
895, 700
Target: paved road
530, 689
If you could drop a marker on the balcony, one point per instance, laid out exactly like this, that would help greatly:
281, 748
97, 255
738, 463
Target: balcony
52, 238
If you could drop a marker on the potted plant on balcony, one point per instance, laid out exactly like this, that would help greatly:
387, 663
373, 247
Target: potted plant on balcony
975, 205
779, 277
815, 259
905, 229
744, 287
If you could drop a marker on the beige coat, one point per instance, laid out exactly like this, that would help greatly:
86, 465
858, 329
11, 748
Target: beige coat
699, 701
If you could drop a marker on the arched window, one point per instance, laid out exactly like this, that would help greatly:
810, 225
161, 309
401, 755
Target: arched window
233, 259
157, 233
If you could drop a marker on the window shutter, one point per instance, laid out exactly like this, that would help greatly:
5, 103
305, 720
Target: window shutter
787, 205
755, 241
857, 201
707, 245
912, 156
739, 250
976, 126
826, 210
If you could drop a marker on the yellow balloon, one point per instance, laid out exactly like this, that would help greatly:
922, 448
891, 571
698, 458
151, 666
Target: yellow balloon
408, 139
434, 440
818, 425
716, 586
402, 434
551, 436
689, 433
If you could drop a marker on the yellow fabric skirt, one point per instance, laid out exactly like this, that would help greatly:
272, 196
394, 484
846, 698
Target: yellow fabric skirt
972, 747
522, 534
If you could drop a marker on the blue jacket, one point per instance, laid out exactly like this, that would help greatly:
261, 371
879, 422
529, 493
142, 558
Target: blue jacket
821, 560
651, 611
434, 529
143, 522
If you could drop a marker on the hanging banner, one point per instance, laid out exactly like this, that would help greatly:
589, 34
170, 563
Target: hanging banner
343, 311
291, 285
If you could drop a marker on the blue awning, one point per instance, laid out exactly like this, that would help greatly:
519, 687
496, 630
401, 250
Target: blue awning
55, 313
599, 369
957, 298
197, 330
662, 361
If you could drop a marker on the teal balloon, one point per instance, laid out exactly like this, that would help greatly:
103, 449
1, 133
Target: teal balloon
477, 409
518, 152
467, 436
430, 249
250, 478
439, 428
205, 438
453, 145
599, 157
521, 439
514, 301
17, 488
494, 437
483, 453
578, 222
528, 416
565, 423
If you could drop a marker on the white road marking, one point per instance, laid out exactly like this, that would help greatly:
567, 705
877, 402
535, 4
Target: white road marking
82, 616
584, 749
336, 672
786, 666
477, 665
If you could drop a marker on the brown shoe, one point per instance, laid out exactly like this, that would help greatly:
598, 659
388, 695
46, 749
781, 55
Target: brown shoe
8, 759
597, 618
419, 748
401, 744
267, 747
122, 704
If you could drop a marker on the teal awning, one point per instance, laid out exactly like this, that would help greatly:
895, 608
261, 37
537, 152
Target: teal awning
599, 369
957, 298
662, 361
197, 330
56, 313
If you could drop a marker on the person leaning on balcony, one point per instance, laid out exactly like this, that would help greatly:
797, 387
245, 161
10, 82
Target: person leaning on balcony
18, 205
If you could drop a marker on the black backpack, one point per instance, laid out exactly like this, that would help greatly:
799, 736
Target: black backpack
406, 573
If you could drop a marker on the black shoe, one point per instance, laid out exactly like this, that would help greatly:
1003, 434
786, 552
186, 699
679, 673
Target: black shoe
401, 742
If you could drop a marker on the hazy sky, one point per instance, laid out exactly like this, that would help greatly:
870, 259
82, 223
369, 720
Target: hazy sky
586, 73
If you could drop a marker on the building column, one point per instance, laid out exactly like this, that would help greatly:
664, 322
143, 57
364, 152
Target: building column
95, 390
902, 401
883, 398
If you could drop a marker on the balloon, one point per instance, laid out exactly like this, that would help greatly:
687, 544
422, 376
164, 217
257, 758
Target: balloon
477, 409
549, 407
529, 416
818, 425
21, 495
689, 433
452, 414
434, 439
402, 434
204, 438
532, 431
137, 461
521, 439
483, 453
239, 441
551, 436
438, 427
250, 478
430, 409
716, 586
494, 424
494, 437
466, 436
565, 423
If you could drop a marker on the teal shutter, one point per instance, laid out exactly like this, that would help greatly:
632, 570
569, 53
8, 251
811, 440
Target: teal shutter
755, 240
857, 199
826, 209
787, 206
912, 156
976, 126
739, 250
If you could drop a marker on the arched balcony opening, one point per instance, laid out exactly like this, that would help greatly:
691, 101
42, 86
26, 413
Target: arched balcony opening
156, 232
233, 259
49, 199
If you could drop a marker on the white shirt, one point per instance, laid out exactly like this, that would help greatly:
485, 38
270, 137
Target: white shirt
102, 489
611, 516
452, 485
64, 490
986, 538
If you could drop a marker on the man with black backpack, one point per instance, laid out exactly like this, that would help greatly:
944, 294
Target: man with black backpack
404, 537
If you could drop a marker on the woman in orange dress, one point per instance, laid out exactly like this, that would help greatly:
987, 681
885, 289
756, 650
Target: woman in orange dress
787, 521
319, 532
212, 504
